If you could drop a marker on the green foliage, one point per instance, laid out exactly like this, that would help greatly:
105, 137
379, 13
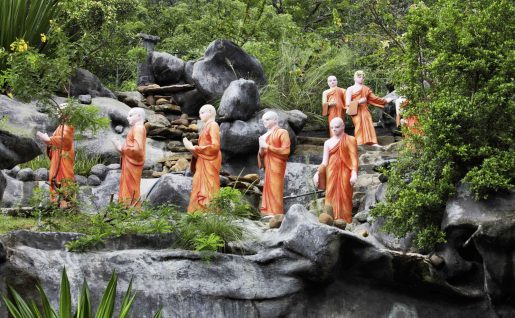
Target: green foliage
465, 52
19, 308
84, 161
41, 161
20, 19
10, 223
300, 76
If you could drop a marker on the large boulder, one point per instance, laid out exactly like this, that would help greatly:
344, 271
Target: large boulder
83, 82
188, 72
240, 101
171, 188
481, 234
168, 69
131, 99
15, 149
17, 192
245, 134
190, 101
23, 118
224, 62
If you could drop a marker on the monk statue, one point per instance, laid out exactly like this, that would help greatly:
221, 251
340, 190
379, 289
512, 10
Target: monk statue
339, 171
274, 148
206, 161
333, 101
132, 158
61, 152
362, 95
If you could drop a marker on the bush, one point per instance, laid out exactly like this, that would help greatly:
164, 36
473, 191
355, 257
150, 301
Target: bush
464, 52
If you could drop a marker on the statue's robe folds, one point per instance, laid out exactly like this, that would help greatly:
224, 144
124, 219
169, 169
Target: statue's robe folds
274, 159
336, 94
206, 180
62, 156
132, 161
343, 159
364, 130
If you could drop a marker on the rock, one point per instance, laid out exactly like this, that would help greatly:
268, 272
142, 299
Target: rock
131, 99
325, 218
83, 82
276, 221
224, 181
341, 224
224, 62
181, 165
190, 101
94, 180
296, 119
3, 184
15, 149
24, 118
171, 188
167, 108
119, 129
25, 174
252, 178
180, 121
85, 99
188, 72
99, 170
81, 180
162, 101
157, 121
361, 216
167, 69
113, 166
16, 192
13, 172
41, 174
239, 101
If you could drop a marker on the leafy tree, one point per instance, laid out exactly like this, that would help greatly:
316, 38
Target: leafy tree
458, 74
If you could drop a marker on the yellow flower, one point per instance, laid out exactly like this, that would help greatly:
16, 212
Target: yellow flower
10, 95
19, 46
43, 37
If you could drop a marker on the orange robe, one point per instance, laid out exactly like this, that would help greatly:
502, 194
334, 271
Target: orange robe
274, 158
206, 181
336, 94
133, 158
61, 170
343, 159
364, 130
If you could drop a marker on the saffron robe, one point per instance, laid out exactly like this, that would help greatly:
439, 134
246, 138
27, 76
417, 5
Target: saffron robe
274, 159
343, 159
364, 130
206, 180
335, 94
132, 160
62, 156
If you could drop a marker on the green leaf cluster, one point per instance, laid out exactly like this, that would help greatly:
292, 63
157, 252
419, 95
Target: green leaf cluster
458, 74
20, 308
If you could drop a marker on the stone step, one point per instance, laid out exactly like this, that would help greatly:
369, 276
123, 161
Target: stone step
163, 90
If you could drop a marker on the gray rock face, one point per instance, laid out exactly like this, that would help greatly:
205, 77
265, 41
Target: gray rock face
171, 188
188, 72
482, 235
245, 135
41, 174
167, 69
85, 99
94, 180
240, 101
131, 99
25, 174
224, 62
17, 192
99, 170
15, 149
190, 101
83, 82
304, 269
3, 184
23, 117
81, 180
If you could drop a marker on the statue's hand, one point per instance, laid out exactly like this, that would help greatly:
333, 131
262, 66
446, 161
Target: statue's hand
187, 144
362, 100
117, 144
353, 178
332, 103
315, 179
388, 99
43, 137
262, 142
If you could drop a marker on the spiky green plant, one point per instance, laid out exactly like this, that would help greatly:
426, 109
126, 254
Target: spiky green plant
19, 308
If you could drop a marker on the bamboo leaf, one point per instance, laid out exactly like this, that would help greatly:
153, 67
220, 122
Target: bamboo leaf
65, 303
106, 307
47, 308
